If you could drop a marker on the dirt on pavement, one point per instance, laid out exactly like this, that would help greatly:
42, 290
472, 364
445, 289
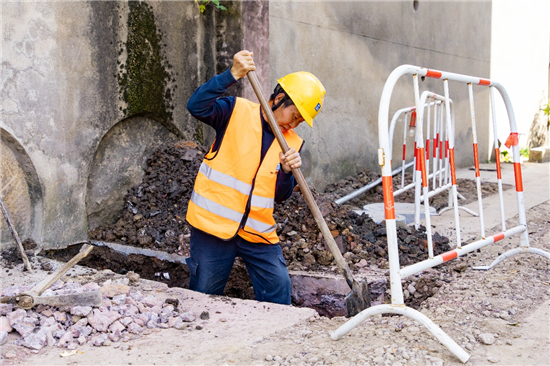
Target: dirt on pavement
154, 218
500, 317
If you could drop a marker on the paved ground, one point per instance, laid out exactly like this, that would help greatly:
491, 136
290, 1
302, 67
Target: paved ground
498, 316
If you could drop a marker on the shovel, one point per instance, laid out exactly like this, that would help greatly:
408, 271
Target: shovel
359, 297
32, 297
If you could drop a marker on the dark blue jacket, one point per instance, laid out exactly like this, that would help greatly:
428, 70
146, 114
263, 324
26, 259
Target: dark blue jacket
207, 105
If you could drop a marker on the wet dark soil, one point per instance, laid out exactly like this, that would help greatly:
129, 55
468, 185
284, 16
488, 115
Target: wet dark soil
155, 210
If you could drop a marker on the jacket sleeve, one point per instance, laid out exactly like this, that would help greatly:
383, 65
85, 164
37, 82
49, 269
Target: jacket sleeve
207, 105
284, 186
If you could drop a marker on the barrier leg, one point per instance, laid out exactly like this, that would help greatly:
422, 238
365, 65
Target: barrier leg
441, 336
452, 160
497, 159
476, 159
473, 213
511, 253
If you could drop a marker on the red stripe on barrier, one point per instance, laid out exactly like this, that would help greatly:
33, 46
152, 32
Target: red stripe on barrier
433, 74
422, 166
497, 158
484, 82
416, 155
446, 148
404, 150
435, 146
498, 237
427, 149
519, 181
389, 207
449, 255
412, 122
476, 160
452, 163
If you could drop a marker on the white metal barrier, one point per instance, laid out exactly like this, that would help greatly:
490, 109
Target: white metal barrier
397, 273
440, 161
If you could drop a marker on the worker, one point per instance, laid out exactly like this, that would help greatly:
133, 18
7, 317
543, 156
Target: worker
242, 175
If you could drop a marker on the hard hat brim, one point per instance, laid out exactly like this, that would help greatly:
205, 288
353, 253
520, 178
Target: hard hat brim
305, 115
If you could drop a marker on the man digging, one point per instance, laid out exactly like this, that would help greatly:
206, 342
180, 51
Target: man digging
243, 174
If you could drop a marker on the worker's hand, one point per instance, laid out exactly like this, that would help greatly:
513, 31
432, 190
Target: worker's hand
242, 64
290, 160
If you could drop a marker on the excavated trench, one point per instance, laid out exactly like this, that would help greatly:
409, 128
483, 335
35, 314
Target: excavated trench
153, 223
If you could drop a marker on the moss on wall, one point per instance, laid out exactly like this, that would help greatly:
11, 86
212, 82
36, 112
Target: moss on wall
144, 79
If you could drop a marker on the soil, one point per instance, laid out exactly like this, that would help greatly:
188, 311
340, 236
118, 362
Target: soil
154, 218
499, 317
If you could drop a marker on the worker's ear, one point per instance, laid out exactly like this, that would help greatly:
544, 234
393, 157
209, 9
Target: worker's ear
278, 98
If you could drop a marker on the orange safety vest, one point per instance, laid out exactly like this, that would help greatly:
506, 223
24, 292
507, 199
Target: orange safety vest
232, 179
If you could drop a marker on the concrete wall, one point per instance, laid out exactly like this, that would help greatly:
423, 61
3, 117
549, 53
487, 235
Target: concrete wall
352, 47
90, 89
520, 61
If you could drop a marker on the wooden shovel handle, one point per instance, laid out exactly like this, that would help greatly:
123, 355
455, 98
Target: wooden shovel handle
15, 236
338, 258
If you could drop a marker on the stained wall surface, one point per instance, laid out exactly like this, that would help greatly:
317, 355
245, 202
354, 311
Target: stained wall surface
352, 47
91, 88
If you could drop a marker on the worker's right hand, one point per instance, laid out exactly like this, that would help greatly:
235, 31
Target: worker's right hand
242, 64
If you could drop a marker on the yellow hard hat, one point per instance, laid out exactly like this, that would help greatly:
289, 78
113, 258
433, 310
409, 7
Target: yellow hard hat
306, 91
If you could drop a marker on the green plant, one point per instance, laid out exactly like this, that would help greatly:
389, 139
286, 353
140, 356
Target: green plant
524, 152
507, 157
203, 3
546, 109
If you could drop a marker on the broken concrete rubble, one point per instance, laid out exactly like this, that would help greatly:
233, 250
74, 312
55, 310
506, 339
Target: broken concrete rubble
123, 314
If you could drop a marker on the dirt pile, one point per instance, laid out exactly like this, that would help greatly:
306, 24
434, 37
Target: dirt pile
467, 190
155, 218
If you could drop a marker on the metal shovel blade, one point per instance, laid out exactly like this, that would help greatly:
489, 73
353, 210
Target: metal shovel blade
358, 299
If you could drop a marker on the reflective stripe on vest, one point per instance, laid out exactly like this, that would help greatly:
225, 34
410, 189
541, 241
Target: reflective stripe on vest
224, 183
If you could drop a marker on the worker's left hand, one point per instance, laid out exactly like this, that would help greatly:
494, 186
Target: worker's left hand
242, 64
290, 160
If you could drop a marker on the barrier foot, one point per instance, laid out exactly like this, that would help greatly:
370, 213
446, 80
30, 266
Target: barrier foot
511, 253
443, 338
473, 213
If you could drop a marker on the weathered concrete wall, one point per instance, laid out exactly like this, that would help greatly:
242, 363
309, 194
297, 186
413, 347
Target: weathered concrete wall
352, 47
89, 89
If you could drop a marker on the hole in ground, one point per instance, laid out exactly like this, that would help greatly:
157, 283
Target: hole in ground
327, 300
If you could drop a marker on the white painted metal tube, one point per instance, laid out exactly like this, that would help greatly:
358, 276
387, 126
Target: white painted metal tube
411, 185
497, 159
436, 191
417, 174
476, 160
404, 155
441, 336
435, 143
429, 263
425, 179
441, 146
511, 253
451, 161
428, 120
369, 186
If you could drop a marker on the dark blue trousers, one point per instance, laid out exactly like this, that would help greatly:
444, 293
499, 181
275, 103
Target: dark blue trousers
211, 261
